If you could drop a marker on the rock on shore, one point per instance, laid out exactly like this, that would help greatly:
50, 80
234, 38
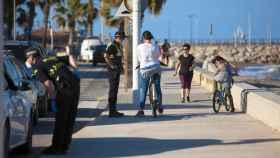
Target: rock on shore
242, 54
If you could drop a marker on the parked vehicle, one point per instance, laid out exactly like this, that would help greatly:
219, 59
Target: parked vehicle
87, 48
98, 54
15, 116
15, 71
17, 49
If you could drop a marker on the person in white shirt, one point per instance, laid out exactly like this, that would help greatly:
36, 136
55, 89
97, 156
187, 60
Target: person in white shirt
148, 57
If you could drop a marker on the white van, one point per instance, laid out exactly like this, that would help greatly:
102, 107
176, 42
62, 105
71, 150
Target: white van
87, 48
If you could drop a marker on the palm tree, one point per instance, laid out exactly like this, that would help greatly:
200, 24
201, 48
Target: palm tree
70, 16
26, 16
106, 11
153, 6
9, 14
45, 6
92, 14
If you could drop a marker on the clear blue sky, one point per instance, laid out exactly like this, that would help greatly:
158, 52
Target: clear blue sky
225, 15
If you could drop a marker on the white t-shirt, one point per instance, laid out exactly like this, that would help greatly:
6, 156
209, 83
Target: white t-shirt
148, 54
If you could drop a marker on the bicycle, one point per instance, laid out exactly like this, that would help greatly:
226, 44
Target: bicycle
220, 98
155, 105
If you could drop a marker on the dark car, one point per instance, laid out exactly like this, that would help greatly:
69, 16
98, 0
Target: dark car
98, 54
17, 49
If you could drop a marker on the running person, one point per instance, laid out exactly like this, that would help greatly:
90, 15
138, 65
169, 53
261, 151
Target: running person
148, 57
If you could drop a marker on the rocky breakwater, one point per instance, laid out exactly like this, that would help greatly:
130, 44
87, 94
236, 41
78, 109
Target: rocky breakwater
242, 54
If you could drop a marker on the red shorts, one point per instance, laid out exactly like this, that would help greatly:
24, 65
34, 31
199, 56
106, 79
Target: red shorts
186, 81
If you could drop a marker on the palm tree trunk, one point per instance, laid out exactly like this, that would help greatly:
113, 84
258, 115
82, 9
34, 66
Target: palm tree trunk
32, 15
46, 21
90, 10
89, 29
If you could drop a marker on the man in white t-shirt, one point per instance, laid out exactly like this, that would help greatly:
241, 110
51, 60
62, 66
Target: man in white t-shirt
148, 57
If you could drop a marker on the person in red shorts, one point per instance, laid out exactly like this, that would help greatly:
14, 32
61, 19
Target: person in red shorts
185, 66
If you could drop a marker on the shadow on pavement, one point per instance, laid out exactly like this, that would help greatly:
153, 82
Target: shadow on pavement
92, 74
126, 146
46, 125
104, 120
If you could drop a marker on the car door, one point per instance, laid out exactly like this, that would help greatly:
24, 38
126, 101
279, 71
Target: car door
17, 109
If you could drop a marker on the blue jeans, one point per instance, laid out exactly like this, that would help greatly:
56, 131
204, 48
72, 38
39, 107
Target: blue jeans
144, 88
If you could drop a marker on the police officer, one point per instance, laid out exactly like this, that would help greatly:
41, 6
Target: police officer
67, 88
113, 58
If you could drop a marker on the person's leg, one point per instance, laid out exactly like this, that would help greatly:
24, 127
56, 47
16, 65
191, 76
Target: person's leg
111, 97
183, 88
61, 117
188, 86
73, 112
156, 79
116, 87
144, 83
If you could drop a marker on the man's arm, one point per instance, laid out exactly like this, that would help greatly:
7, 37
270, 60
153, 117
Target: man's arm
177, 67
50, 88
107, 56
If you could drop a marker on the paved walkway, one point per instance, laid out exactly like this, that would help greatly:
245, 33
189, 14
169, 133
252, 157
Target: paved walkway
189, 130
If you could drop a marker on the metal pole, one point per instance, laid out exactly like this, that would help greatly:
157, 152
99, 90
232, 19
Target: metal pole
14, 27
136, 36
249, 31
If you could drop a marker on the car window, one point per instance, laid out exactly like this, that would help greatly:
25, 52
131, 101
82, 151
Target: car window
17, 50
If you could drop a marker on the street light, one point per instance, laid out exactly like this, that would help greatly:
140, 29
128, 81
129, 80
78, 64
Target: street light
191, 17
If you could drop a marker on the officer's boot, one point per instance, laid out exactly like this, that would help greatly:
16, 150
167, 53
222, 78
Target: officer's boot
115, 113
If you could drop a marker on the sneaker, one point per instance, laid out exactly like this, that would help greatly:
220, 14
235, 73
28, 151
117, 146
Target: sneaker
160, 110
140, 113
115, 114
188, 99
183, 100
232, 110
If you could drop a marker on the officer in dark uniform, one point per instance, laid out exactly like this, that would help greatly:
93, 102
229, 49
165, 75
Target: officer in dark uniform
67, 89
113, 58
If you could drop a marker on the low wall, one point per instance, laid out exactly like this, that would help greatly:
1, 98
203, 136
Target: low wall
256, 102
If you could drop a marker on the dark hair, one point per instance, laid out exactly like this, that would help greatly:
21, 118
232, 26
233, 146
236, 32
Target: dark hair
31, 52
187, 45
120, 34
147, 35
219, 58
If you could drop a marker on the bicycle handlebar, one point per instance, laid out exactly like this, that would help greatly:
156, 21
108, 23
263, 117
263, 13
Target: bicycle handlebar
161, 64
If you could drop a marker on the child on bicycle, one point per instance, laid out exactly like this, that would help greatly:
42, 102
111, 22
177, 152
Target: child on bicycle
223, 76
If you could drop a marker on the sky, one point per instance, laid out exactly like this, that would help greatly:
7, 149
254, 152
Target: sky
224, 15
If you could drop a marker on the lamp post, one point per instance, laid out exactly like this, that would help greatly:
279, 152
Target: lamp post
191, 17
136, 36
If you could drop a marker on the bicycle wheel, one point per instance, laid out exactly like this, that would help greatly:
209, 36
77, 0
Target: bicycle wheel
152, 100
215, 102
229, 103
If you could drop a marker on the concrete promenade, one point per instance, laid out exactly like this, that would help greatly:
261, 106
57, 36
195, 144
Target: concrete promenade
188, 130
